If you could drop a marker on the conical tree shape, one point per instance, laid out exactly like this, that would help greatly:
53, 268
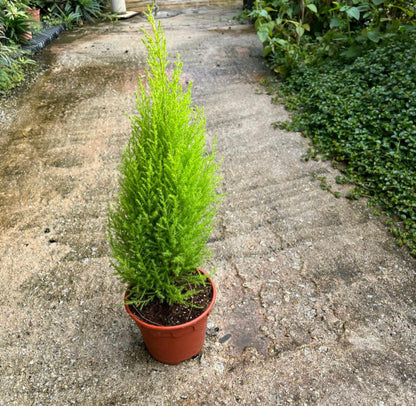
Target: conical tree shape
161, 221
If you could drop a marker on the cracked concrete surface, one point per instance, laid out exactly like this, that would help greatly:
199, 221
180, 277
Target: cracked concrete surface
316, 303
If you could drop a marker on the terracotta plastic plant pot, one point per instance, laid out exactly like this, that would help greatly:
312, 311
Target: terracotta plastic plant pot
35, 14
27, 36
174, 344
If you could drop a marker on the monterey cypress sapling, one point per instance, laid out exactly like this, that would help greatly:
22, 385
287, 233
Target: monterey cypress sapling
160, 223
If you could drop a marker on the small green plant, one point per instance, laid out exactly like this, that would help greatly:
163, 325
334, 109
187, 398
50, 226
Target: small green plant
281, 27
13, 66
325, 185
163, 216
89, 10
75, 12
65, 16
14, 20
348, 70
14, 63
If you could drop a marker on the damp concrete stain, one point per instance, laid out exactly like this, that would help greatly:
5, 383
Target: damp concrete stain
242, 328
53, 118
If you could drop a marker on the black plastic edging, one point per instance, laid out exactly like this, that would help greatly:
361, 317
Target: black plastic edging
43, 38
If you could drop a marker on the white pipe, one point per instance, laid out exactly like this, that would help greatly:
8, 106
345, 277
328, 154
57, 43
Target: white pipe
118, 6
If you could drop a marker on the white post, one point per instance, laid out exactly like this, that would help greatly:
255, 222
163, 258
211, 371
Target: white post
118, 6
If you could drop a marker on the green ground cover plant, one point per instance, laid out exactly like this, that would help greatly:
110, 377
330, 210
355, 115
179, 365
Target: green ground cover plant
363, 115
348, 74
160, 223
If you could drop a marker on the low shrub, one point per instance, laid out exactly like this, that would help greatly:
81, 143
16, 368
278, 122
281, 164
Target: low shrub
74, 12
13, 65
305, 31
14, 23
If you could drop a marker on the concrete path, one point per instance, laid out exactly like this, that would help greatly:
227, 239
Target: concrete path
316, 303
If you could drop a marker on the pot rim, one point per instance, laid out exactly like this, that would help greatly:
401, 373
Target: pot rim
178, 326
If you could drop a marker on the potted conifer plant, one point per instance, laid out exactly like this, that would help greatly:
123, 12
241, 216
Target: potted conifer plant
163, 215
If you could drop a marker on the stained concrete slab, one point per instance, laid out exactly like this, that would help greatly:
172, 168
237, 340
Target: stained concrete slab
316, 303
127, 14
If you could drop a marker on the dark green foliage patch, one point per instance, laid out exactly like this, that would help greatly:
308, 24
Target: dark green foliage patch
363, 114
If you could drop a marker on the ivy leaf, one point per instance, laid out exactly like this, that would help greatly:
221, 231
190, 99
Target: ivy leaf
300, 31
263, 34
374, 36
353, 12
313, 8
280, 41
281, 69
263, 13
335, 22
266, 51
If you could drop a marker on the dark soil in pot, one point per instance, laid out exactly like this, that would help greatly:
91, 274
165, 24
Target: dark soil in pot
162, 314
